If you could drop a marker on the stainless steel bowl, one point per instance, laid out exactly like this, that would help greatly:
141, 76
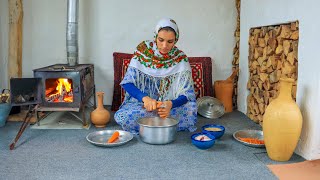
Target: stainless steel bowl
155, 130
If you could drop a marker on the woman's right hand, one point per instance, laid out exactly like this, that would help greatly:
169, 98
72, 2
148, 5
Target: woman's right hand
149, 103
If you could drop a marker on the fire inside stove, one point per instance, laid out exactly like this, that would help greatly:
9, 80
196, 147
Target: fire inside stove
59, 90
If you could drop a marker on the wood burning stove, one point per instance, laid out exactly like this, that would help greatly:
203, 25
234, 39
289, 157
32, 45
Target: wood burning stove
65, 87
58, 87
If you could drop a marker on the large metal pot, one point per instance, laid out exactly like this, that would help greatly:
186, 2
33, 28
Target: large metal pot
155, 130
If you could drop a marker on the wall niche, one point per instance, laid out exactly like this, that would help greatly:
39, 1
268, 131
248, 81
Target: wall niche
273, 53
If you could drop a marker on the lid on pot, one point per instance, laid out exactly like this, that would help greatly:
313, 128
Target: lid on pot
210, 107
157, 122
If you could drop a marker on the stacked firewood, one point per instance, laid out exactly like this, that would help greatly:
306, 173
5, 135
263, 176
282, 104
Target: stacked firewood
273, 53
235, 62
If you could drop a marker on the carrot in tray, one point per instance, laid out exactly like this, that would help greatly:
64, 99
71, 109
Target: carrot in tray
252, 140
114, 137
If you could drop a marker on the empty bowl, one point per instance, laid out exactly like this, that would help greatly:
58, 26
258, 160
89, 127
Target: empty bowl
214, 129
203, 140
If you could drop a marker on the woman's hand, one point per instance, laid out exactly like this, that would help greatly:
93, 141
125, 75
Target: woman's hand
149, 103
164, 108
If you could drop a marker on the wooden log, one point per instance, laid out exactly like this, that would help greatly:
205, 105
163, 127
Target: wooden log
15, 39
291, 58
285, 31
279, 49
261, 42
286, 47
295, 35
288, 68
272, 42
264, 76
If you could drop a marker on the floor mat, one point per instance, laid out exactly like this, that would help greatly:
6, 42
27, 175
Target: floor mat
63, 120
307, 170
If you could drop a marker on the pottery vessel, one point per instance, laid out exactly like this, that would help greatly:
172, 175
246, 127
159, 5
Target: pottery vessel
223, 90
100, 116
282, 123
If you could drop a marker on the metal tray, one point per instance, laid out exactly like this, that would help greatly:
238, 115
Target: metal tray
249, 134
100, 138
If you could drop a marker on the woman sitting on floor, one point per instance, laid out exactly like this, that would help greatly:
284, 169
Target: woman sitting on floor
158, 82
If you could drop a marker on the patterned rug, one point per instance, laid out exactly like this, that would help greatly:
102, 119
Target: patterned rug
201, 74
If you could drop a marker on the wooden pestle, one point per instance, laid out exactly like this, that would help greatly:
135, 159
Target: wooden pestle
234, 73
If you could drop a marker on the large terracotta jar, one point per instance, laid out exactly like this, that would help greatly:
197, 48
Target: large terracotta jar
282, 123
100, 116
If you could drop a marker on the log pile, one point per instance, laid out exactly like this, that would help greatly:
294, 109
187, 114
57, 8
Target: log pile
235, 62
273, 53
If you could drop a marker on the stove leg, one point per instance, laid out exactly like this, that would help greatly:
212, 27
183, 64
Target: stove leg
38, 118
42, 117
23, 126
94, 97
84, 121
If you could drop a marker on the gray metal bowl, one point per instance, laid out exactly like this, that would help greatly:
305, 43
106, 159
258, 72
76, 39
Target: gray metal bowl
249, 134
156, 130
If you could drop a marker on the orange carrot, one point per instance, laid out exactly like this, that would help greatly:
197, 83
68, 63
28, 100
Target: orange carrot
252, 140
114, 137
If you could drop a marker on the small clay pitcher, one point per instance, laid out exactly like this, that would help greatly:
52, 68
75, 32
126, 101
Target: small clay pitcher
100, 116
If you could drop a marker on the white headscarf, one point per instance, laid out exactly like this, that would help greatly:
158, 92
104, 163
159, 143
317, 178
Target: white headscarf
167, 22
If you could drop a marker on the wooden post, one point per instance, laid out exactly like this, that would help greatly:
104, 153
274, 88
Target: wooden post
15, 39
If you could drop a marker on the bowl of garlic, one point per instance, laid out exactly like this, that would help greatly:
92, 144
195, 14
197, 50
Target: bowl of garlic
203, 140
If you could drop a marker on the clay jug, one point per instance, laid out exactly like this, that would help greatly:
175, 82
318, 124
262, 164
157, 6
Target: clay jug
100, 116
282, 123
224, 90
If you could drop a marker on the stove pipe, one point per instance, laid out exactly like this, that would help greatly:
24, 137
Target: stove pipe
72, 32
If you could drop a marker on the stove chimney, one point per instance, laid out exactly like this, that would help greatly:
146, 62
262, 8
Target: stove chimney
72, 32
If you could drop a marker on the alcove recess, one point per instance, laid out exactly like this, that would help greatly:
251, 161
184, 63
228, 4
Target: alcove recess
273, 53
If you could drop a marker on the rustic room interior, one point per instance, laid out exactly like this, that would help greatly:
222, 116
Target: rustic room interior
265, 40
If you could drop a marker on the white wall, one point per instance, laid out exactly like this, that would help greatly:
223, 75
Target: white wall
261, 13
107, 26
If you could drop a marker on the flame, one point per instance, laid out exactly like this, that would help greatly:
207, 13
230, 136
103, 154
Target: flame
63, 83
63, 91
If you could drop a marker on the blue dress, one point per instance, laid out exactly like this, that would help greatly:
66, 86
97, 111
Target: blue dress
132, 110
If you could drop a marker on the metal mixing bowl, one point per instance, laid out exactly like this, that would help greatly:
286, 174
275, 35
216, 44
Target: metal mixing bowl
156, 130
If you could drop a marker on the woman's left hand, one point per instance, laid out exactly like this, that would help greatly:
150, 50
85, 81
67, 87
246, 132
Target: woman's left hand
164, 108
